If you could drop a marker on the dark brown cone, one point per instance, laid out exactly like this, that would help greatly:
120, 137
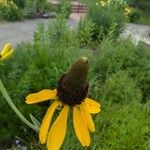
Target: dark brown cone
72, 86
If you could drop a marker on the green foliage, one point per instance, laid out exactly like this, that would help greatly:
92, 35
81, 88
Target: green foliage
35, 8
123, 55
13, 10
57, 33
112, 57
9, 11
30, 10
120, 88
65, 7
20, 3
122, 127
85, 32
118, 79
135, 15
142, 11
144, 54
144, 7
104, 18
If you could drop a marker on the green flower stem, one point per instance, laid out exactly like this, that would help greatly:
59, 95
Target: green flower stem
14, 108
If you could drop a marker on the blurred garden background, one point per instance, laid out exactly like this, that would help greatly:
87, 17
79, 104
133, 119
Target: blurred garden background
119, 75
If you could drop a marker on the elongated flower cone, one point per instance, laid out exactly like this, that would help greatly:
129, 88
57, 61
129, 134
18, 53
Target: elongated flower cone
71, 93
77, 74
74, 84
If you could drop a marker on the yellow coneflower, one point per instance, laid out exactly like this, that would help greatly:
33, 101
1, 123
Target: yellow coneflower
70, 94
6, 51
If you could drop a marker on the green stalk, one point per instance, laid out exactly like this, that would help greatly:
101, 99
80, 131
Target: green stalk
14, 108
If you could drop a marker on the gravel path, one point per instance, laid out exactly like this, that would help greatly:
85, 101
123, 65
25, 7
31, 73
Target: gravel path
137, 33
18, 32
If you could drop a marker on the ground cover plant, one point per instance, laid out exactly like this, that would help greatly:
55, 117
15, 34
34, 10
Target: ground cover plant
118, 79
12, 10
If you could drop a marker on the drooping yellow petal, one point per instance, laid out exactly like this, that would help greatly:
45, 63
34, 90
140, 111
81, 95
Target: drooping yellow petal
80, 127
84, 118
88, 117
6, 49
7, 55
6, 52
46, 122
92, 102
41, 96
93, 107
58, 130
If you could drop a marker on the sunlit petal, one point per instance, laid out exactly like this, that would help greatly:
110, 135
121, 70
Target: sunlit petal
41, 96
6, 52
6, 49
80, 127
7, 55
92, 102
93, 107
58, 130
46, 122
88, 117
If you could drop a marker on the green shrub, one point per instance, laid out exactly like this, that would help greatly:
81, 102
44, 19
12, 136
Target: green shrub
19, 9
30, 10
105, 18
112, 57
85, 32
36, 8
58, 30
9, 11
65, 8
20, 3
57, 33
134, 14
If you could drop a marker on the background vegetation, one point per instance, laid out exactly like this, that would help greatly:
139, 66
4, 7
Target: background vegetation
13, 10
118, 77
144, 10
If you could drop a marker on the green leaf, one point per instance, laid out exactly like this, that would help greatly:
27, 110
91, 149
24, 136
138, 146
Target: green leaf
35, 121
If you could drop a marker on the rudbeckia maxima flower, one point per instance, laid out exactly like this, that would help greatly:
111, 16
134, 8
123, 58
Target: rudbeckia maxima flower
6, 51
70, 95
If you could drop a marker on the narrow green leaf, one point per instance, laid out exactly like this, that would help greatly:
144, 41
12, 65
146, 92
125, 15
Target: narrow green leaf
35, 121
